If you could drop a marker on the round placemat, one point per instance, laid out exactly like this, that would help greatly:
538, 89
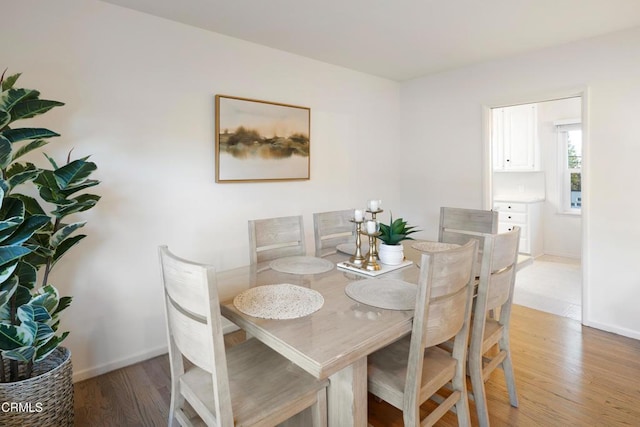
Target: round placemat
434, 246
391, 294
281, 301
301, 265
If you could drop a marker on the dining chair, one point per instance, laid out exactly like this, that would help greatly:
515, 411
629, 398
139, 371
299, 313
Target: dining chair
331, 229
458, 225
495, 292
410, 371
246, 385
273, 238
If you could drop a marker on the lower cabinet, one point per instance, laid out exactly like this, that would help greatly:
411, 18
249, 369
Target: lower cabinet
527, 216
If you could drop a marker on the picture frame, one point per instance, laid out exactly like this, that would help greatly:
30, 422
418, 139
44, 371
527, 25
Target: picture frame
261, 141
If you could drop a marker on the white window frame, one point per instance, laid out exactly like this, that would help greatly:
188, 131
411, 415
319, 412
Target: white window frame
564, 172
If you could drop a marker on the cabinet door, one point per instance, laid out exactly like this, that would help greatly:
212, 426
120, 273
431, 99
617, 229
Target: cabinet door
520, 137
514, 138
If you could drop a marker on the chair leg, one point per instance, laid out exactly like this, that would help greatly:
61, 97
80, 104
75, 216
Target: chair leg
319, 410
459, 383
507, 367
177, 402
477, 384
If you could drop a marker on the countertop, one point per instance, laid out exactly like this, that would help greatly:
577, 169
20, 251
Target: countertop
519, 199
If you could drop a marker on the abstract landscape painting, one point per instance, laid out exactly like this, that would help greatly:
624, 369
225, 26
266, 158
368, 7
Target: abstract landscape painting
261, 141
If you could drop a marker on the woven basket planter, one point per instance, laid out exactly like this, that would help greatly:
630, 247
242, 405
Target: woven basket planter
45, 399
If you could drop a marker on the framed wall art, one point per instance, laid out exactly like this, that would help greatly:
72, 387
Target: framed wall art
261, 141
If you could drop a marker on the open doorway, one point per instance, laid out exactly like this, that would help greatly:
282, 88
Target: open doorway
536, 183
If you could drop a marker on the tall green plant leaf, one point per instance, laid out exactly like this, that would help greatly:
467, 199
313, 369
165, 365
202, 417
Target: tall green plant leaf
13, 337
65, 246
22, 134
22, 354
21, 178
9, 81
9, 98
31, 205
26, 229
73, 173
71, 189
5, 152
80, 204
5, 118
31, 108
64, 232
46, 349
27, 148
26, 274
7, 270
12, 253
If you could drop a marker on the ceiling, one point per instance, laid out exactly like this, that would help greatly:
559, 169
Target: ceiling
401, 39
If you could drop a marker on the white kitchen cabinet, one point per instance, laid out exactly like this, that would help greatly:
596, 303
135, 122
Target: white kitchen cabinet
527, 216
515, 138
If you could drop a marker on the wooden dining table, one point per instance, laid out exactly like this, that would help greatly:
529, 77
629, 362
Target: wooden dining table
332, 342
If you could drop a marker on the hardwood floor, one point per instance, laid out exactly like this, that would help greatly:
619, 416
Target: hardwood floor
566, 375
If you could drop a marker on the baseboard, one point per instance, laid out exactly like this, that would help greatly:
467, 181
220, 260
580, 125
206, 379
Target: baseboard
112, 366
613, 329
562, 254
85, 374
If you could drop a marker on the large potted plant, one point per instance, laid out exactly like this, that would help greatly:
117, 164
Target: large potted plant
391, 251
35, 370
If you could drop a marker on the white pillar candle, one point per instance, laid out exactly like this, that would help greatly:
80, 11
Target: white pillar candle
372, 227
358, 215
374, 205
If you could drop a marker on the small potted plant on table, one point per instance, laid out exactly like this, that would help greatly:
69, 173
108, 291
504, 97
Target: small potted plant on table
391, 251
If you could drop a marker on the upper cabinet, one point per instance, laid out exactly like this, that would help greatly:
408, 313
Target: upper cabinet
515, 138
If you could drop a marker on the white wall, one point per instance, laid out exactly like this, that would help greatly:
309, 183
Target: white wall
562, 232
139, 93
442, 121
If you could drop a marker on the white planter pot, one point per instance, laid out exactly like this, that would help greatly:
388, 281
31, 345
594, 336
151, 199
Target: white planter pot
391, 254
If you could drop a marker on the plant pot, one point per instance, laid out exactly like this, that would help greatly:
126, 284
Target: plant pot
45, 399
391, 254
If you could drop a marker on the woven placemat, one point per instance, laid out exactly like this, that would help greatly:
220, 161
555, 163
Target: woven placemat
281, 301
434, 246
301, 265
391, 294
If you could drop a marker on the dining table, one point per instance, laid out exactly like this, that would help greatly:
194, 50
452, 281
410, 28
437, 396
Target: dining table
332, 342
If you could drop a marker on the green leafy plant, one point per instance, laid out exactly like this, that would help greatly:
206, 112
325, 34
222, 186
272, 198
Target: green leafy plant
33, 238
396, 231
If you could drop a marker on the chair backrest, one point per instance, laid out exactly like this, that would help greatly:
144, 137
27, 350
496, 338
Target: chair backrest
331, 229
276, 238
443, 307
456, 224
459, 225
497, 278
194, 324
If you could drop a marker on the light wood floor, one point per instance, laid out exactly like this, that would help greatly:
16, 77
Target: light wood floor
566, 374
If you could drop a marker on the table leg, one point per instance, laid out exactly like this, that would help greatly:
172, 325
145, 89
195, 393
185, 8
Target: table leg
347, 396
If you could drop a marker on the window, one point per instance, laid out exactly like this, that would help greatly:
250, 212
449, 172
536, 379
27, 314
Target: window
570, 162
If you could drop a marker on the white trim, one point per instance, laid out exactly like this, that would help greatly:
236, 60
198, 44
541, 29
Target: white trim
625, 332
566, 122
112, 366
582, 92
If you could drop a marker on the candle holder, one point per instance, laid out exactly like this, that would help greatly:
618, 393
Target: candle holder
374, 248
357, 259
371, 260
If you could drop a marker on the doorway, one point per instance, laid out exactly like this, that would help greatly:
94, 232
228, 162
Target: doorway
535, 158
